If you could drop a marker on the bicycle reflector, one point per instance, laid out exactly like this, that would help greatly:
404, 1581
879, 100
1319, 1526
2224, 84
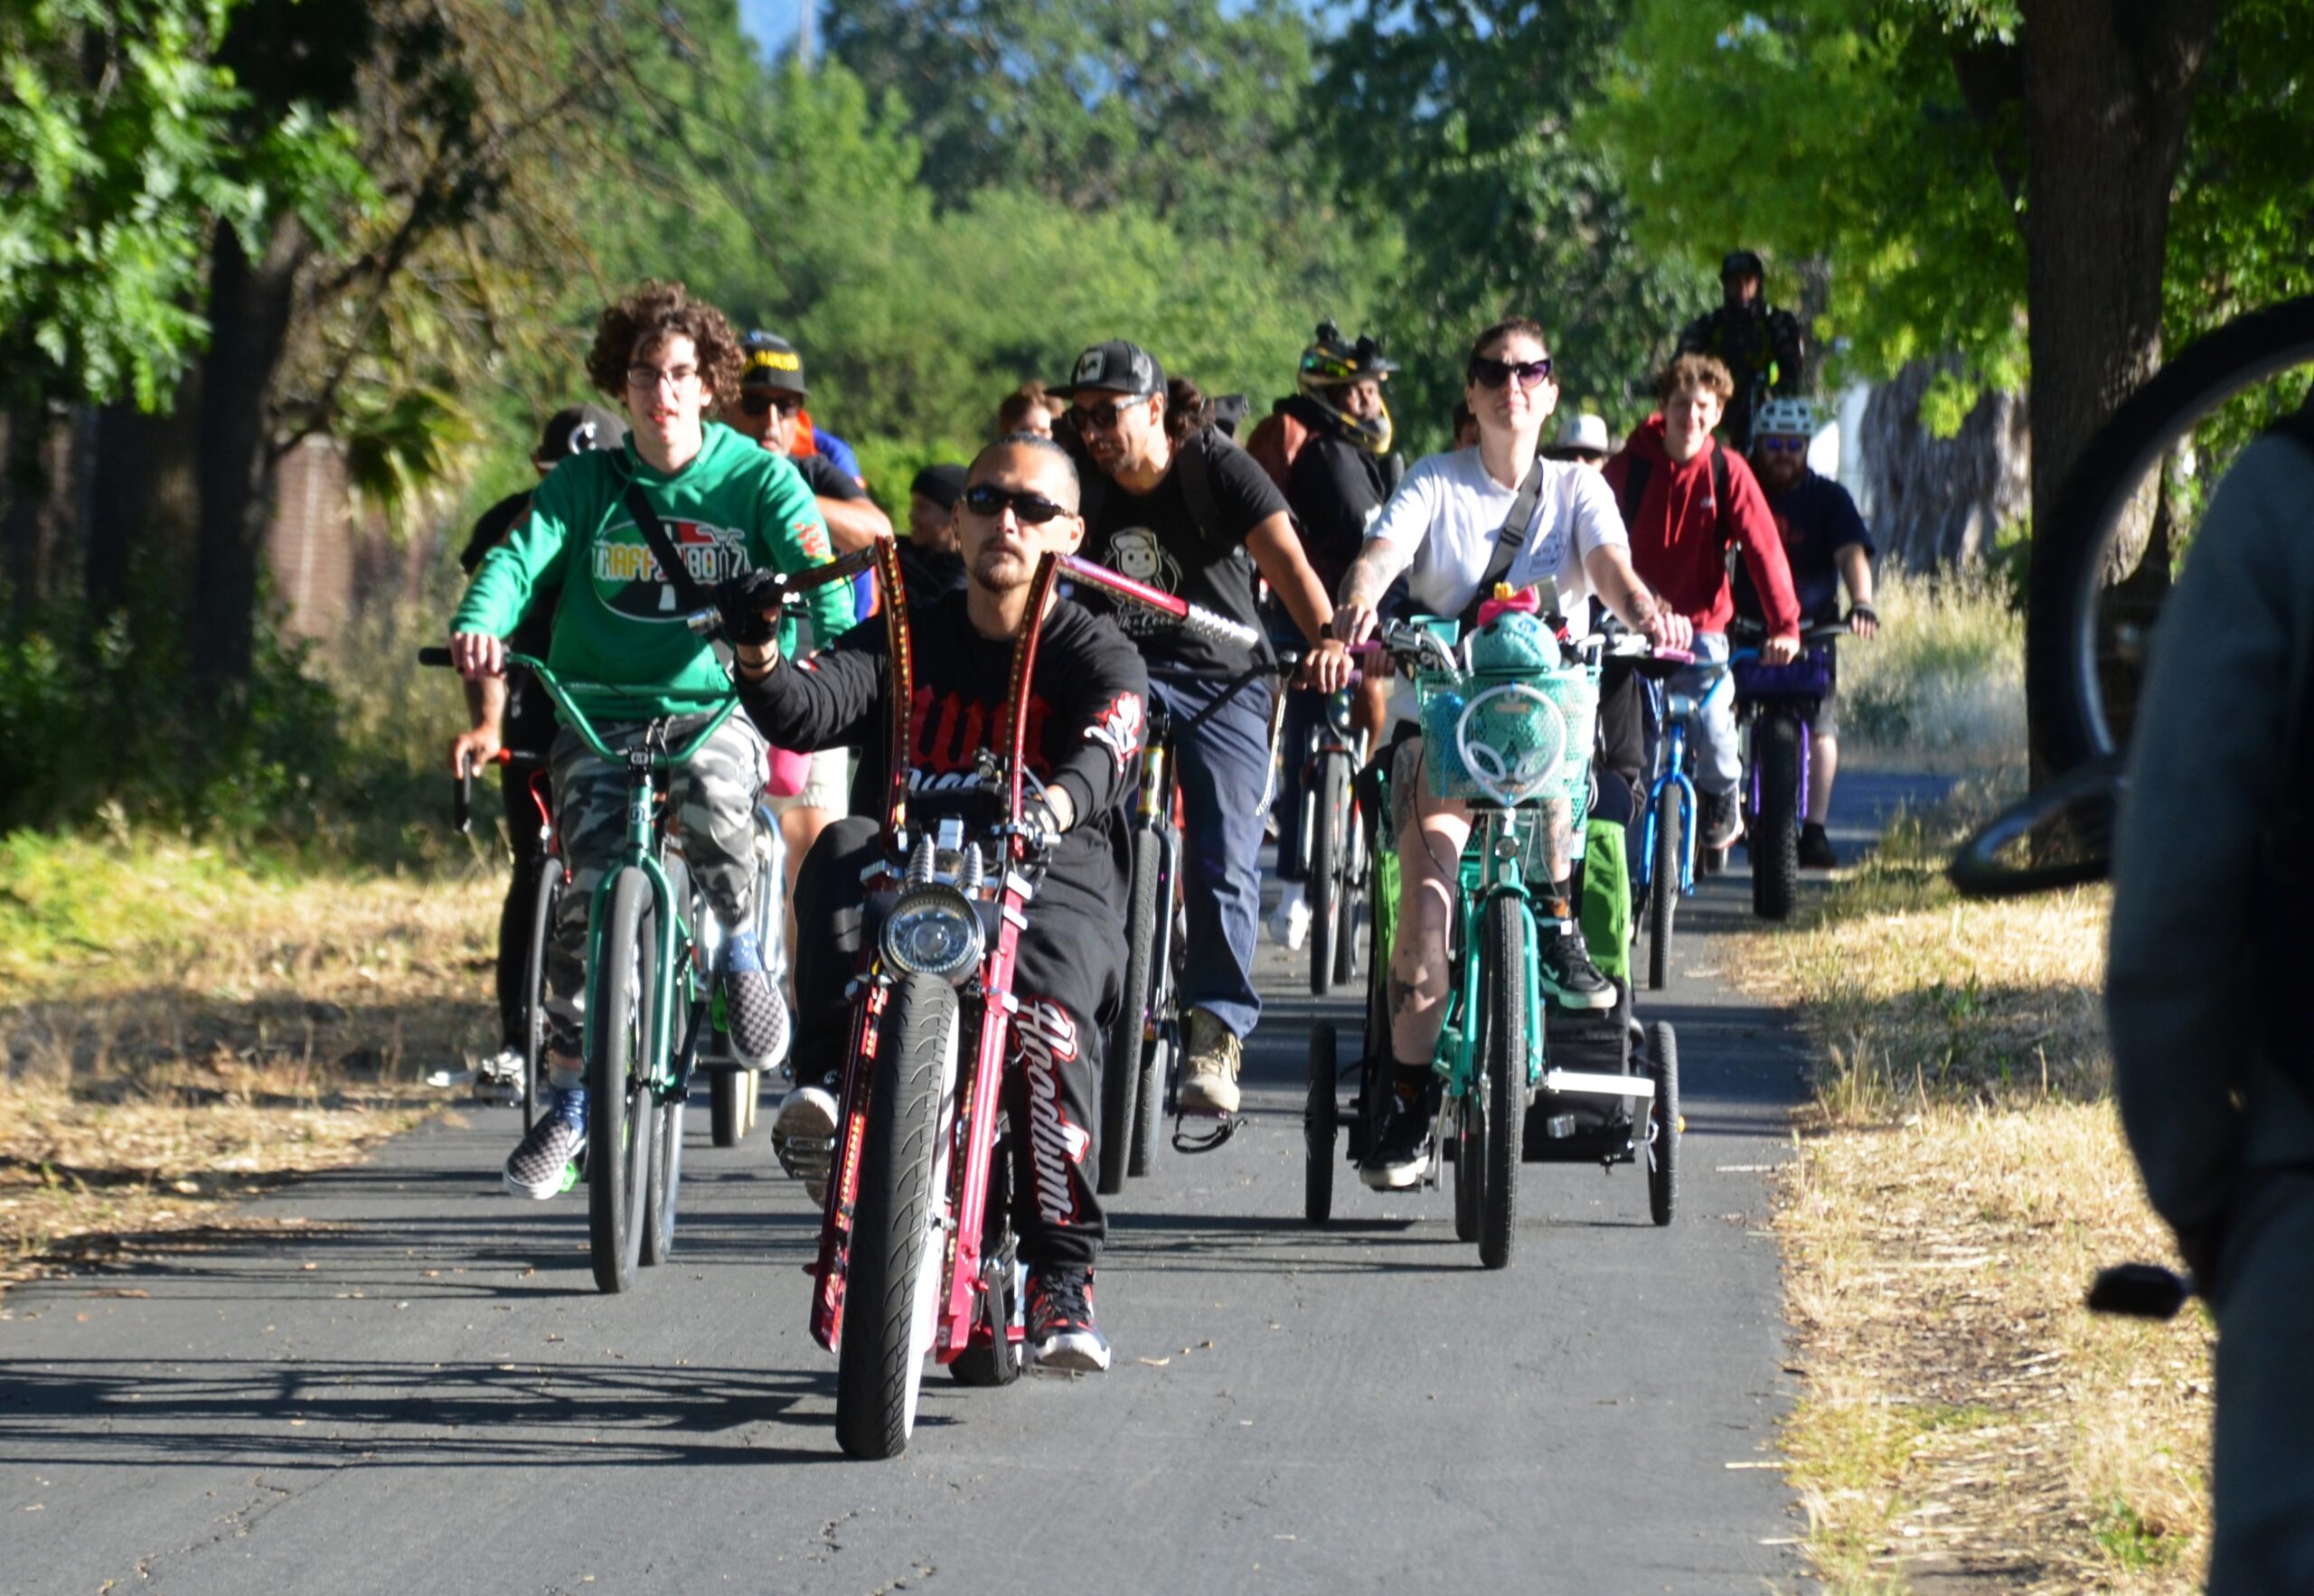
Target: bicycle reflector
933, 931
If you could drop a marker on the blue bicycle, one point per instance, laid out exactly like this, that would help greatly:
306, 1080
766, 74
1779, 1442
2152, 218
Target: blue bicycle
1665, 860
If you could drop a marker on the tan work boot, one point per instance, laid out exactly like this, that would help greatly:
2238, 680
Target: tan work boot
1210, 1081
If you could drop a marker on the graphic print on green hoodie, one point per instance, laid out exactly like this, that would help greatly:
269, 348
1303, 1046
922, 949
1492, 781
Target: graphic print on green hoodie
734, 507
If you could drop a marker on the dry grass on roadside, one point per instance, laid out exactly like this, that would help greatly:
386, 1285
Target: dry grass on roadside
181, 1027
1939, 688
1963, 1180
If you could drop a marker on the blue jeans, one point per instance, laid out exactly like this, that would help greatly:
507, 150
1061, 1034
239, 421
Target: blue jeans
1222, 767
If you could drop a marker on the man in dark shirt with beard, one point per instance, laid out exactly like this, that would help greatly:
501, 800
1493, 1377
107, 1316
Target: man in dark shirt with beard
1085, 719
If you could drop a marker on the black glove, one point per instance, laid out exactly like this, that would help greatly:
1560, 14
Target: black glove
1043, 826
1865, 610
743, 600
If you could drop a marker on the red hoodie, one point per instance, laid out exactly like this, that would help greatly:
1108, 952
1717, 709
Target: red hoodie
1676, 545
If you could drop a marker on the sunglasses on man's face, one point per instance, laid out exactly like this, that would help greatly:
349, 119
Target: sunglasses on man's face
757, 404
1101, 417
1031, 510
1784, 446
1494, 373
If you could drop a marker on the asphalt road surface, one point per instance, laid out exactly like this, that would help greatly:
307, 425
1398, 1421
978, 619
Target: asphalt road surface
408, 1383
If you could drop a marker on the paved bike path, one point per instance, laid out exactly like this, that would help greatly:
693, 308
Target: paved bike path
415, 1385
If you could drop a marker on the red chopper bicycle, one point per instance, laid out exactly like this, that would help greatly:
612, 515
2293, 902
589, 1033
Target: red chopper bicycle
909, 1236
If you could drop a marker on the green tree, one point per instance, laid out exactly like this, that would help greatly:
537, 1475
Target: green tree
1459, 121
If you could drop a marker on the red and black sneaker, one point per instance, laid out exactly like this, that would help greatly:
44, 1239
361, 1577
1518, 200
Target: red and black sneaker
1061, 1331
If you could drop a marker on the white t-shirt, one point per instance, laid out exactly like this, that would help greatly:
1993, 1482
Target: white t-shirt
1447, 511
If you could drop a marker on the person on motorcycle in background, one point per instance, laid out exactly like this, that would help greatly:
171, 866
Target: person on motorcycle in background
516, 713
618, 623
770, 409
1827, 547
1440, 529
1761, 348
1335, 480
1172, 503
1688, 501
1089, 699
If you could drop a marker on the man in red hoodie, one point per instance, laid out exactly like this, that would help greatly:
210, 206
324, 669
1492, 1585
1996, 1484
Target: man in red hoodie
1686, 501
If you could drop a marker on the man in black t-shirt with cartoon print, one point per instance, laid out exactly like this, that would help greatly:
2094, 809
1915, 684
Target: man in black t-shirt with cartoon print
1174, 503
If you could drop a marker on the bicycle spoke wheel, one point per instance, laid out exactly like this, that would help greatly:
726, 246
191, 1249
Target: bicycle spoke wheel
1322, 888
618, 1118
1121, 1076
1504, 1058
544, 905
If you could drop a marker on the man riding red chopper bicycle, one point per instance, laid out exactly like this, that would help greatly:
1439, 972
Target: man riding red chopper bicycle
988, 889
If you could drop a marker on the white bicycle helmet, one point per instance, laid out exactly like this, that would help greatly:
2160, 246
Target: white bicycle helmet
1785, 417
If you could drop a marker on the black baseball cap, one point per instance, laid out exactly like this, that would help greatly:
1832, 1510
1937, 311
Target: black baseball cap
772, 362
943, 484
576, 430
1115, 367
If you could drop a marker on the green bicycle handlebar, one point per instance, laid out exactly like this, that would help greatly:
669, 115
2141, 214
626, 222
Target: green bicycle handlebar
724, 700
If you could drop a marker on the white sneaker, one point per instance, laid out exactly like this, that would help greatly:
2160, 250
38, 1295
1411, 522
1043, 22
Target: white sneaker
803, 1136
1289, 923
500, 1079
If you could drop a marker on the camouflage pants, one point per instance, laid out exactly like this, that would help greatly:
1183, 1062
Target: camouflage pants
714, 797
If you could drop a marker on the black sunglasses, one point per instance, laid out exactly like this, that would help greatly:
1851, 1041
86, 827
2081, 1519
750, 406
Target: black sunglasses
1031, 510
757, 404
1101, 417
1488, 372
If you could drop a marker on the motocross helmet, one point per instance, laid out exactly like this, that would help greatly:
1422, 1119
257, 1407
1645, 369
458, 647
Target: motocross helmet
1332, 362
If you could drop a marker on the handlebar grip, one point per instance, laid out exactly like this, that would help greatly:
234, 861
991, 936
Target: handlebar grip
434, 656
1200, 622
703, 622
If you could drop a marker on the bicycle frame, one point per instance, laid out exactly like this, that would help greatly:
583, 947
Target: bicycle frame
1489, 868
1674, 785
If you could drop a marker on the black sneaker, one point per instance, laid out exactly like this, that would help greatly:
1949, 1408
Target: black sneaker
1400, 1156
535, 1168
752, 1009
1061, 1334
1569, 979
1723, 821
1816, 849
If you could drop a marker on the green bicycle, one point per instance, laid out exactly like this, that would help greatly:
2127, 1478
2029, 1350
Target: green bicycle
650, 1004
1509, 733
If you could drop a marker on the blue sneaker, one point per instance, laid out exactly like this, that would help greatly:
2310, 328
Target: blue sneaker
535, 1168
753, 1014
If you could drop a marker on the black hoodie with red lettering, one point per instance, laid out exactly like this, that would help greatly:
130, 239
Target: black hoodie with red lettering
1087, 715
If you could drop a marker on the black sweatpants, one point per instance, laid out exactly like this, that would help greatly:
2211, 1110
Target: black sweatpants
1067, 976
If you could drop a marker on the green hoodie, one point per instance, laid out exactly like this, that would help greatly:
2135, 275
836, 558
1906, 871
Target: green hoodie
736, 506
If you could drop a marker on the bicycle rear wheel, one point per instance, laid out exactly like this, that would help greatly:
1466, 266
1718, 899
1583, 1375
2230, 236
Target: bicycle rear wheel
1121, 1076
621, 1119
1776, 841
1322, 888
1156, 1054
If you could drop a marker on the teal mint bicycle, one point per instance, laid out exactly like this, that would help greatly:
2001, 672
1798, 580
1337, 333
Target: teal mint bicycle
1506, 722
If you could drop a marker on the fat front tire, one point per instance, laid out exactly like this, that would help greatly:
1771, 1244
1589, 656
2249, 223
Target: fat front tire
1663, 1123
1775, 843
1663, 891
889, 1306
1121, 1062
1505, 1061
1319, 1117
619, 1121
1324, 885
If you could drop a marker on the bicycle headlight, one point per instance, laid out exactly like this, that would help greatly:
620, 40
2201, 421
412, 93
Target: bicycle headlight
933, 931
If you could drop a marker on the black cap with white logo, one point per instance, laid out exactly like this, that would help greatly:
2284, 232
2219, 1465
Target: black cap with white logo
1115, 367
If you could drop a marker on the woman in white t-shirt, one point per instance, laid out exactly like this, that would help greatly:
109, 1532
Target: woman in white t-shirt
1439, 529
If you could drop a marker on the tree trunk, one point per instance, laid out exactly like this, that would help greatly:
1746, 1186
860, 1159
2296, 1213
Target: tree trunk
2108, 88
249, 304
1942, 501
141, 504
22, 543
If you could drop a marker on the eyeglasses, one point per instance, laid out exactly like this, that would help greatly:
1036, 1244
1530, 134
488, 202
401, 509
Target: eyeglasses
643, 377
1031, 510
1784, 446
1101, 417
757, 404
1494, 373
